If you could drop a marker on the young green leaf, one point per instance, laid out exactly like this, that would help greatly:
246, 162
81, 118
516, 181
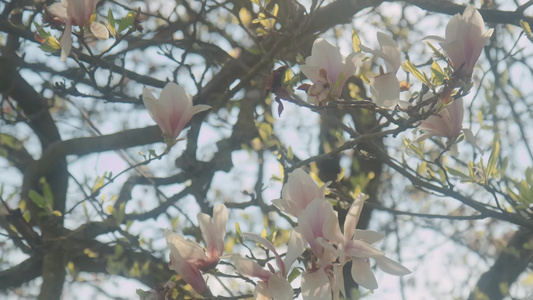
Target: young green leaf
409, 67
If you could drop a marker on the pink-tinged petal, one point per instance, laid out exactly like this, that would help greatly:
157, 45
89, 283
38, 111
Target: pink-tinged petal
331, 228
362, 274
385, 90
262, 291
66, 41
329, 253
311, 222
209, 234
465, 38
287, 206
220, 217
280, 288
261, 240
326, 56
178, 103
352, 217
447, 123
80, 11
248, 267
368, 236
316, 285
214, 230
179, 262
99, 30
189, 250
389, 266
327, 59
302, 188
456, 116
157, 112
295, 248
360, 249
173, 110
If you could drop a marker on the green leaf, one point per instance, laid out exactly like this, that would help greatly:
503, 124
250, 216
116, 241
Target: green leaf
527, 29
290, 156
294, 274
338, 82
437, 75
40, 30
436, 51
38, 199
111, 23
356, 42
127, 21
98, 183
493, 159
238, 233
47, 192
457, 173
365, 79
409, 67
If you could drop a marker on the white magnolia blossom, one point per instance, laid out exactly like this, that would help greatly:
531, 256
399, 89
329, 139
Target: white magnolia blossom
385, 88
188, 258
76, 13
328, 70
172, 111
464, 40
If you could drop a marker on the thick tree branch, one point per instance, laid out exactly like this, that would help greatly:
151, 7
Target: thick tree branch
511, 262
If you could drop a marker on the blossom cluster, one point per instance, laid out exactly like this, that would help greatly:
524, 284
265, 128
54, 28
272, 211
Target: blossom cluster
318, 229
318, 226
463, 44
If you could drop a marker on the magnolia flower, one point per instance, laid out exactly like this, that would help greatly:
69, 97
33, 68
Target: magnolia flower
385, 88
299, 191
76, 13
188, 258
465, 38
357, 248
448, 123
172, 111
273, 285
352, 245
328, 70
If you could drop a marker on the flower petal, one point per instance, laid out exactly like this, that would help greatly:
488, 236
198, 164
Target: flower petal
362, 274
385, 90
361, 249
261, 240
280, 288
388, 265
352, 217
316, 285
295, 248
66, 41
99, 30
